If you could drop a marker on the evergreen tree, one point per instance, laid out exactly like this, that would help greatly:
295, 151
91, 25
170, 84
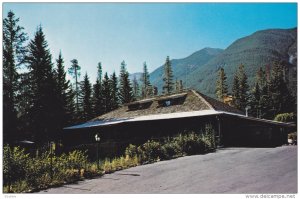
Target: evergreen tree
97, 93
168, 77
221, 85
65, 95
255, 98
240, 93
244, 88
13, 56
176, 86
85, 101
97, 99
99, 72
125, 90
259, 93
145, 81
265, 102
136, 89
155, 91
180, 85
150, 91
235, 91
74, 71
106, 93
43, 97
24, 105
280, 95
113, 84
71, 106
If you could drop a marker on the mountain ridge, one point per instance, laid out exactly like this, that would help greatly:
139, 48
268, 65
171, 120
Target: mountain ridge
261, 48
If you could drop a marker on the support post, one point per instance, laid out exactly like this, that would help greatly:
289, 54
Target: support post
219, 131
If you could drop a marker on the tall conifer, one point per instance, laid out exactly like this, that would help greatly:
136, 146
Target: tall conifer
85, 101
114, 90
221, 85
43, 96
74, 71
168, 77
13, 55
125, 89
106, 93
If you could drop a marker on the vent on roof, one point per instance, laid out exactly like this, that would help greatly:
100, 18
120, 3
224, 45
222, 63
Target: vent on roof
172, 100
139, 105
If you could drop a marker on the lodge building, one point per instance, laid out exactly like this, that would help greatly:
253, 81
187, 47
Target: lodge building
163, 116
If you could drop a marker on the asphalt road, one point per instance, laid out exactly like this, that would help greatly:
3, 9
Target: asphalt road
229, 170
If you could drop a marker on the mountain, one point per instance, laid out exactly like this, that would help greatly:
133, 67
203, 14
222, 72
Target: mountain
137, 75
260, 49
183, 68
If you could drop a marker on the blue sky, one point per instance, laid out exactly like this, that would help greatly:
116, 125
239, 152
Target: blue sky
138, 32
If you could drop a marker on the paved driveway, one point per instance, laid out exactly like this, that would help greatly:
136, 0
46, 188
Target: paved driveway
229, 170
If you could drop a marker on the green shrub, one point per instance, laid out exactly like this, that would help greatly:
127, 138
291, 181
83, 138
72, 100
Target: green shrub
171, 149
15, 163
285, 117
193, 144
131, 150
152, 150
77, 159
209, 138
24, 173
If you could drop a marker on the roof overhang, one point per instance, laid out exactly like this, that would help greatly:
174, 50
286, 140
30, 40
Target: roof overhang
167, 116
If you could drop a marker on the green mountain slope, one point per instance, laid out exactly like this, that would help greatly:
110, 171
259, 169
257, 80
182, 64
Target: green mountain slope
182, 68
262, 48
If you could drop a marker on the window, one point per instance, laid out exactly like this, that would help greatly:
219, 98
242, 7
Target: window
139, 105
172, 100
168, 103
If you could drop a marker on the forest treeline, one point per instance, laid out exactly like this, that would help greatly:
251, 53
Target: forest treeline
267, 98
39, 100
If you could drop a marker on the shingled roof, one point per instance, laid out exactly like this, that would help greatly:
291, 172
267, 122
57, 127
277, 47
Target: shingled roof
182, 105
182, 102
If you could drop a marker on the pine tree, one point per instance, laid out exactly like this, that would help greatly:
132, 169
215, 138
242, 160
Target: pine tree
259, 94
136, 89
255, 109
74, 71
265, 102
113, 84
106, 93
280, 95
168, 77
145, 80
65, 95
43, 96
235, 92
221, 85
13, 56
85, 101
176, 86
155, 91
243, 88
240, 89
99, 72
180, 85
125, 90
71, 106
97, 93
97, 103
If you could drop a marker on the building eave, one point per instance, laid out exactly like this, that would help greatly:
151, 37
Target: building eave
168, 116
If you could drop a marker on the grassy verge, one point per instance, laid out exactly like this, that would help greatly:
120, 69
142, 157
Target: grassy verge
22, 173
